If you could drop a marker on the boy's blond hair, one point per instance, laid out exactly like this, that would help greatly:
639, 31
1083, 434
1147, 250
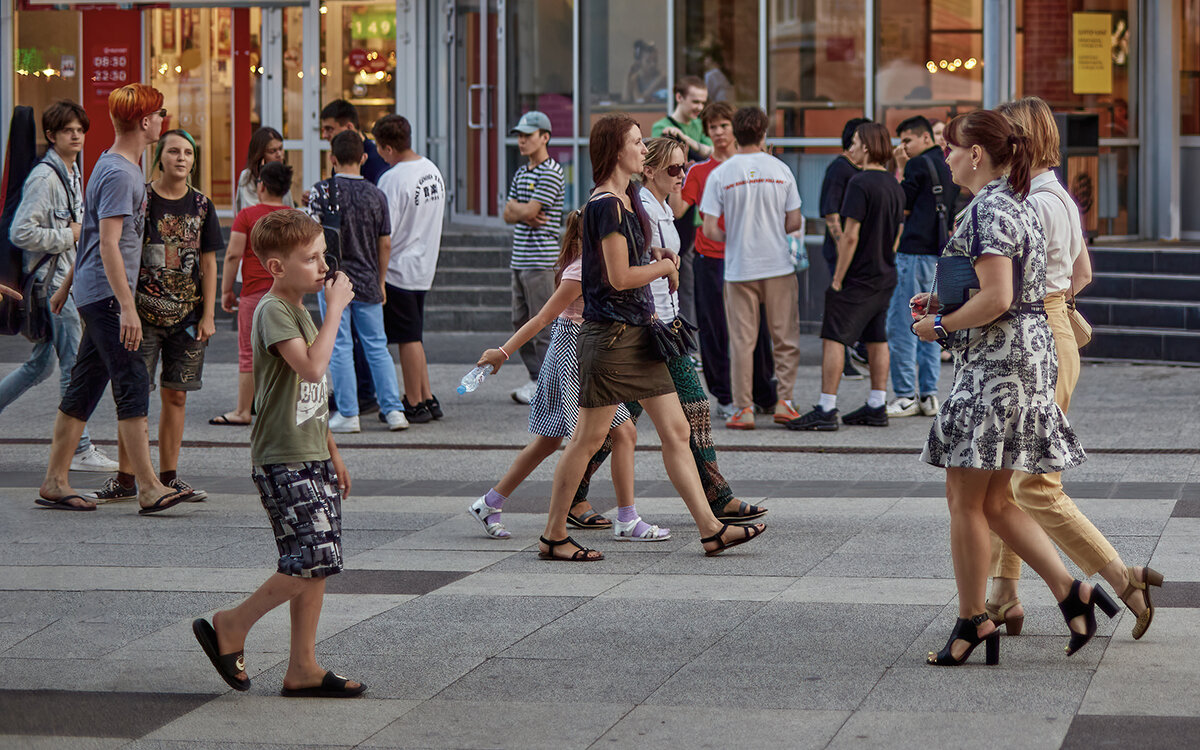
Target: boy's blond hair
280, 233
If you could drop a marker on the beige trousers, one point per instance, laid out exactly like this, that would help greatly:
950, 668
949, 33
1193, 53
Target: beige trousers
780, 297
1041, 495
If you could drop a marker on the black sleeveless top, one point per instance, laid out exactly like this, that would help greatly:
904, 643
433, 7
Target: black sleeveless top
602, 303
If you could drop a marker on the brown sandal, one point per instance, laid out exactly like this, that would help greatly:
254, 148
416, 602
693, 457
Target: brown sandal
751, 532
580, 555
1000, 615
1150, 577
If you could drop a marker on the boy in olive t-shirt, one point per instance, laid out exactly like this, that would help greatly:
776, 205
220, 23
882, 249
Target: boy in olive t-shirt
296, 466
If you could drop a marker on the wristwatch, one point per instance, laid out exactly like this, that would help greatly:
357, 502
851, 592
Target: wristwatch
941, 333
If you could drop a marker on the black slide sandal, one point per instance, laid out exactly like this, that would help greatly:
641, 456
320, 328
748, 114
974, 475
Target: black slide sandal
227, 665
169, 500
332, 686
223, 421
62, 504
589, 519
745, 512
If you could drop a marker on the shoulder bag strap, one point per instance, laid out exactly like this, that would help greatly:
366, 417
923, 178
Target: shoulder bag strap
1069, 206
935, 182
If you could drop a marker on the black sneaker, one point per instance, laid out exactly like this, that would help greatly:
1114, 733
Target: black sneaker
850, 372
435, 407
858, 353
197, 496
816, 420
368, 407
112, 492
867, 416
418, 414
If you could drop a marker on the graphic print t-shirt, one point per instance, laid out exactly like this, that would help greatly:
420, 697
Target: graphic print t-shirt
293, 414
416, 195
364, 214
177, 232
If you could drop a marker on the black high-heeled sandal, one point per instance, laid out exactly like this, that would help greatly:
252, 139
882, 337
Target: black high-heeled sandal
968, 630
1073, 607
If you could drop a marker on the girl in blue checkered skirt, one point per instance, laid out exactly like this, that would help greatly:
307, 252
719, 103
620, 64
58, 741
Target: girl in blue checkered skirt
555, 409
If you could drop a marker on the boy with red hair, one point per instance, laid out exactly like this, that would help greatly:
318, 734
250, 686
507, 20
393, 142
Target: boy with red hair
106, 272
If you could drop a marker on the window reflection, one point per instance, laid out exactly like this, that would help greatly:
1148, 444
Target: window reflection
717, 40
623, 68
539, 62
1189, 76
929, 59
816, 66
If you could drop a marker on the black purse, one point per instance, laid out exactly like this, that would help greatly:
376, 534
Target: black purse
35, 304
674, 339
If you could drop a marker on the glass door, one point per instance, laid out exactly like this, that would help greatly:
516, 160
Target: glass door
475, 108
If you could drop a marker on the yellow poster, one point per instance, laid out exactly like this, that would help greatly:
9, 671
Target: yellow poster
1092, 53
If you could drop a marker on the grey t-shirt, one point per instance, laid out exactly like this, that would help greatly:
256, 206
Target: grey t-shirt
117, 188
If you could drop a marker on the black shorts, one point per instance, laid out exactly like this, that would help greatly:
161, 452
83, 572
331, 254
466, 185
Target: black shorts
101, 358
856, 314
305, 508
403, 315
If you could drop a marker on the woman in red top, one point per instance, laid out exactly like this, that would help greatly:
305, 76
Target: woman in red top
274, 182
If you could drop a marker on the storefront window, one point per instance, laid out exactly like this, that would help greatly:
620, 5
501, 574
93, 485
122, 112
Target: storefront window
1189, 76
817, 54
717, 40
539, 77
358, 60
929, 59
190, 60
623, 60
47, 60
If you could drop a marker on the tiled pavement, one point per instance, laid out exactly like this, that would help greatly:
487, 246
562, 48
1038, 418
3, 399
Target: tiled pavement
814, 638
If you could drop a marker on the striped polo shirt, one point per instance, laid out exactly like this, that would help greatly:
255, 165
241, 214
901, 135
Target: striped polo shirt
538, 248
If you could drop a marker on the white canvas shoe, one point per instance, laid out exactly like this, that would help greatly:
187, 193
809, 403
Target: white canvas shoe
343, 425
93, 460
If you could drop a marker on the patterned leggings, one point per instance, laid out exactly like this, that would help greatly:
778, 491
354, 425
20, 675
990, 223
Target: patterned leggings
697, 410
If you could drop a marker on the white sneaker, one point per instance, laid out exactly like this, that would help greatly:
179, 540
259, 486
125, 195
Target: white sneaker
395, 421
623, 532
929, 405
481, 511
904, 407
725, 411
342, 425
93, 460
525, 393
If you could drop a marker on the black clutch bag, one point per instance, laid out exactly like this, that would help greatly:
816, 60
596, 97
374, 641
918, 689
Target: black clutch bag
955, 278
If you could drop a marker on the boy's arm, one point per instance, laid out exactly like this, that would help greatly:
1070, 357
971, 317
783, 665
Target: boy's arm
33, 224
208, 296
311, 361
339, 466
233, 258
114, 271
385, 255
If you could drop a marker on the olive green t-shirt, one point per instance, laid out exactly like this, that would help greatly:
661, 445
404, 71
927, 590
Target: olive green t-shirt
292, 419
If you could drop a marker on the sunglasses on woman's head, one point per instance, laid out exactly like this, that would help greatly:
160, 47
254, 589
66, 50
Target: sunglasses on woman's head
674, 170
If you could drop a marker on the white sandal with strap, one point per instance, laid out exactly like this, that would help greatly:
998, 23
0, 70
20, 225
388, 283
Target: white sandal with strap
623, 532
481, 510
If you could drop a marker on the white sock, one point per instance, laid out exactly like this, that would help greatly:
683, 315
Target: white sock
828, 401
876, 399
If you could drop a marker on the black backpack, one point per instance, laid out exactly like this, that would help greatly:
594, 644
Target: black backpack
19, 160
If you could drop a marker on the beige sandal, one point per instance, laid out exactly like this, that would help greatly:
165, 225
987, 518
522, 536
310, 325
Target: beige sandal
1000, 615
1150, 577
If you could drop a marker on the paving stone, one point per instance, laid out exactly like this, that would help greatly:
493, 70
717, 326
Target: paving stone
32, 742
91, 714
1122, 731
887, 730
812, 588
408, 559
594, 677
652, 587
533, 726
733, 682
685, 726
536, 584
1152, 676
329, 721
1002, 689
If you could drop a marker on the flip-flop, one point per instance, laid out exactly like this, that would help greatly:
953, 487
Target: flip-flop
589, 519
223, 421
745, 512
227, 665
169, 500
332, 686
61, 503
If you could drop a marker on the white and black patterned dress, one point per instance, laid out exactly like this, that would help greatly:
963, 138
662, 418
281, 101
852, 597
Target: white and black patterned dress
1001, 413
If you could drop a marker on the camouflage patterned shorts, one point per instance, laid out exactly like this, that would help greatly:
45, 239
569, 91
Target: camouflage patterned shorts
305, 508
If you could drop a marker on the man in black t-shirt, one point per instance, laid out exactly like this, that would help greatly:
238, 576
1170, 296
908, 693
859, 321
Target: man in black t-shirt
833, 189
917, 364
864, 276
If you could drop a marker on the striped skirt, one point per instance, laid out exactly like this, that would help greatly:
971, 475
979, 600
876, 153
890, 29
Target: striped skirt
555, 408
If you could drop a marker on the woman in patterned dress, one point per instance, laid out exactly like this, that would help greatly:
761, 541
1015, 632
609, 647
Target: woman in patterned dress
1000, 415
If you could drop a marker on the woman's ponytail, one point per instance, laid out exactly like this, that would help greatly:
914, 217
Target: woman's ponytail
1020, 164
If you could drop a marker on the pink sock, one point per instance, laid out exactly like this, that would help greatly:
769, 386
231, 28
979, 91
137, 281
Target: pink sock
494, 500
628, 513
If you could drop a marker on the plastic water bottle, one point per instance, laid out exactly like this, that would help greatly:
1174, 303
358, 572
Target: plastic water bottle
473, 378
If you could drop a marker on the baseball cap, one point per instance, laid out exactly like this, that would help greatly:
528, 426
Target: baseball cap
531, 122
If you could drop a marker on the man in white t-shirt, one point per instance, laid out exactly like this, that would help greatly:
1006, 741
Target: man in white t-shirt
416, 196
756, 194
